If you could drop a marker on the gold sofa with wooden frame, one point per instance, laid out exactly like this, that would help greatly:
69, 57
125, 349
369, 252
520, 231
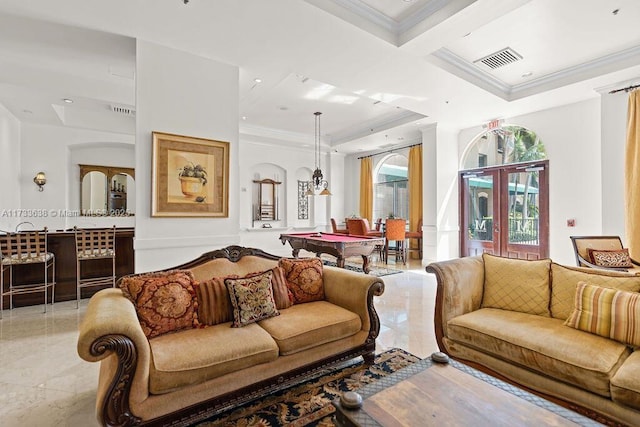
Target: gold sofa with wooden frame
111, 333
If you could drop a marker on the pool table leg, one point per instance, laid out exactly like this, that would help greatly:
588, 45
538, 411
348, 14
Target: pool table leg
365, 264
295, 252
340, 261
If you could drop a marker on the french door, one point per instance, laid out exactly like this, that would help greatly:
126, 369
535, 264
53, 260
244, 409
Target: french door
505, 210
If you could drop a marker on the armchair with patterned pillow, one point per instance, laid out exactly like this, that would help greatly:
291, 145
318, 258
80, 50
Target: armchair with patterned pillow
603, 252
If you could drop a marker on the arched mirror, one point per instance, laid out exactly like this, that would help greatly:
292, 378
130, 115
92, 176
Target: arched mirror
107, 191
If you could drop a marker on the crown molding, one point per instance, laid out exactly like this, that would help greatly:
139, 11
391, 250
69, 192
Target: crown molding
466, 70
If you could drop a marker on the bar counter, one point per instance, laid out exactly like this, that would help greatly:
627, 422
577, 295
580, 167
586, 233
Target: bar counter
62, 244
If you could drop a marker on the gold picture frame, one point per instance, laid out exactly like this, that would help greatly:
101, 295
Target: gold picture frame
190, 177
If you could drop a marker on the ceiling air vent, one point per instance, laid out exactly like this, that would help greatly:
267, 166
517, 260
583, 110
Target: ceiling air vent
500, 58
120, 109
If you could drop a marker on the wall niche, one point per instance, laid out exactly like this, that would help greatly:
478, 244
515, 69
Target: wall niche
268, 200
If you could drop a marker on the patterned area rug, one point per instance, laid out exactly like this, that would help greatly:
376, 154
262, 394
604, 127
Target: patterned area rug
309, 403
374, 271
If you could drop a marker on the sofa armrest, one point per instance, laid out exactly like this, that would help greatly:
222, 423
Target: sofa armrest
110, 332
460, 284
354, 292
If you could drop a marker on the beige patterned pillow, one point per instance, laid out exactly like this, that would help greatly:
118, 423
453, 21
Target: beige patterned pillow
565, 279
516, 285
252, 299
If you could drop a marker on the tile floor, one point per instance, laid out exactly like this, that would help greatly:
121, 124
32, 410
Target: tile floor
43, 382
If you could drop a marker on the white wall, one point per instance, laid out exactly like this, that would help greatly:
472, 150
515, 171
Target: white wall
49, 149
571, 136
9, 169
184, 94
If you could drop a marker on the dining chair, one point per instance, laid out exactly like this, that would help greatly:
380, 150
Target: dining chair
22, 248
395, 231
337, 230
417, 235
360, 227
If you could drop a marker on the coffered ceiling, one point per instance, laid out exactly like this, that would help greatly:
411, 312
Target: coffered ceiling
377, 69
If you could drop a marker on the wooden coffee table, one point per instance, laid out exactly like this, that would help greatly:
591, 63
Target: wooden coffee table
453, 394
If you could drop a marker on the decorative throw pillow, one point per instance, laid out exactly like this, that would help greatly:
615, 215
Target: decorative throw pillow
304, 278
564, 280
616, 258
281, 293
214, 304
252, 299
516, 284
164, 301
607, 312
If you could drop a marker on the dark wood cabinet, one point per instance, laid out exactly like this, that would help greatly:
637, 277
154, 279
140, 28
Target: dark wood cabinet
62, 244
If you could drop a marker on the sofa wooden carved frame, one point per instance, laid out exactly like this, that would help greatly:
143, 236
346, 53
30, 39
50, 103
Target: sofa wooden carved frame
116, 410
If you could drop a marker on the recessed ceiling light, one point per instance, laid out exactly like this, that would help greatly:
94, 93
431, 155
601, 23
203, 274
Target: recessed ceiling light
528, 74
283, 108
257, 80
68, 100
27, 111
467, 35
244, 117
615, 11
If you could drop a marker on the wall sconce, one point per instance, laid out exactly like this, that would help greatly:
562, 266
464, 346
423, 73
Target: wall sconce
40, 179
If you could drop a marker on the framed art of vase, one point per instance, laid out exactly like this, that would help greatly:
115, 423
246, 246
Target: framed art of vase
190, 177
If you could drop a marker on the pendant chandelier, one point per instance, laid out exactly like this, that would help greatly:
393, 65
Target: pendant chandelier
317, 183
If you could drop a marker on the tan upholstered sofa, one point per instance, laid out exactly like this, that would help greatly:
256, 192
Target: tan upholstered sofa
508, 317
183, 376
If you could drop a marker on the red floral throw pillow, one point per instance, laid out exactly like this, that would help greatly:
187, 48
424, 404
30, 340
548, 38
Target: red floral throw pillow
165, 301
304, 278
616, 258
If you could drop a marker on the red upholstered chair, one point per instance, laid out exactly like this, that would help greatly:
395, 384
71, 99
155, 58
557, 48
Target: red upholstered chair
337, 230
360, 227
395, 232
416, 235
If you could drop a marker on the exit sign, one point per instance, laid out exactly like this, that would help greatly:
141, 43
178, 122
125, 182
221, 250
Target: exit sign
493, 124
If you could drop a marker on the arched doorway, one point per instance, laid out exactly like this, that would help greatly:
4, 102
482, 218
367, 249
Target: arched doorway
504, 195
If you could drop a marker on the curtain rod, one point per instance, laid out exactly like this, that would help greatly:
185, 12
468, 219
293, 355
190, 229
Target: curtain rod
391, 150
626, 89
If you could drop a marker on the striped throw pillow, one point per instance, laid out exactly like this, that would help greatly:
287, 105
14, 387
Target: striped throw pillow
607, 312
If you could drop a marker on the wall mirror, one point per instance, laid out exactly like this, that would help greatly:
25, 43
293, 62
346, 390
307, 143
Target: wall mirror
107, 191
267, 207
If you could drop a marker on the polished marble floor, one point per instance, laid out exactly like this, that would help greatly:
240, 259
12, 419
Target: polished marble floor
43, 381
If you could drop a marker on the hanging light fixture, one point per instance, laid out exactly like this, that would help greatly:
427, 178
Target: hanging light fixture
317, 183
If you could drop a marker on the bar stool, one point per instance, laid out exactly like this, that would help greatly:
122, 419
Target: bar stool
26, 248
94, 244
395, 232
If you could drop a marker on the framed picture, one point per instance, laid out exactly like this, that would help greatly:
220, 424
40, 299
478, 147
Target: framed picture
190, 177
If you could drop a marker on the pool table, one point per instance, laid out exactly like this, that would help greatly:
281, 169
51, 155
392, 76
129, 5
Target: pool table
339, 245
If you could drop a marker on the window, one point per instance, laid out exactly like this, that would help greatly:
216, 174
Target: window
391, 193
502, 146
